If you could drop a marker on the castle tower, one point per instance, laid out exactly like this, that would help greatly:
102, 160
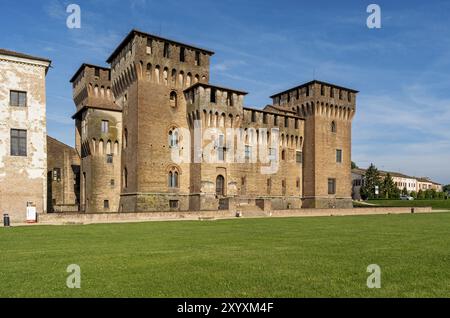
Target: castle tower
149, 75
328, 111
98, 123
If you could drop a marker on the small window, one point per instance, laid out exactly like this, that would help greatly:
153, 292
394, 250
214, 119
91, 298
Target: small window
299, 157
17, 98
349, 96
307, 90
166, 50
182, 54
264, 118
230, 101
112, 182
221, 148
197, 58
286, 122
105, 126
106, 204
253, 116
269, 185
248, 152
331, 186
125, 178
18, 142
149, 46
173, 99
97, 72
213, 95
173, 179
340, 94
173, 138
57, 174
338, 155
331, 92
173, 204
297, 183
283, 187
283, 155
322, 90
109, 158
333, 127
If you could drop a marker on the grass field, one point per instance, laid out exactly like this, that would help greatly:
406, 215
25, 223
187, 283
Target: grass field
435, 204
278, 257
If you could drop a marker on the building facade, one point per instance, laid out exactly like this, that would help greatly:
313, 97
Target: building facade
23, 134
154, 134
401, 181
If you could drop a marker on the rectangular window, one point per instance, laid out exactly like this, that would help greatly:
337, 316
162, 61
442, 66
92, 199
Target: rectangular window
57, 174
166, 50
197, 58
106, 204
299, 156
248, 152
221, 148
182, 54
18, 142
112, 182
173, 204
264, 118
286, 122
97, 72
105, 126
17, 98
272, 155
338, 155
331, 186
269, 185
149, 46
213, 95
253, 116
109, 158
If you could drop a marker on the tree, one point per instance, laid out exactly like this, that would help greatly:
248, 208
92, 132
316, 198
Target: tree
446, 188
371, 180
388, 187
354, 166
420, 195
413, 194
405, 191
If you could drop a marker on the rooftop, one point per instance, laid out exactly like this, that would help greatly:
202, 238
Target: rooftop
135, 31
22, 55
87, 65
215, 86
314, 82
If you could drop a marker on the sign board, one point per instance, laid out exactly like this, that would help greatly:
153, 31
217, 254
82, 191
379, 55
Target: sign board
31, 213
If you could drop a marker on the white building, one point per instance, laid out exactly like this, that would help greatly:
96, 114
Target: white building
23, 133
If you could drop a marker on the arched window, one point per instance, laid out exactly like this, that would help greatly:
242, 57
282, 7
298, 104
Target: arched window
166, 76
172, 178
173, 99
220, 185
333, 127
157, 74
173, 138
283, 155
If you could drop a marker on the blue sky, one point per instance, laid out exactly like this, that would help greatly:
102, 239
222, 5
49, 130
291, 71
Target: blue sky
401, 70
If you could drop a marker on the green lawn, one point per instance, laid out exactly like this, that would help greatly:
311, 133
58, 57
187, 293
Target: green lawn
268, 257
435, 204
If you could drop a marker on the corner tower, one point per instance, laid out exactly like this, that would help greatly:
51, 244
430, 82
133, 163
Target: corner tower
98, 124
149, 75
328, 110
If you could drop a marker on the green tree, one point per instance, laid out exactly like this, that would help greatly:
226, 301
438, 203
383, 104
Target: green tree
405, 191
388, 187
420, 195
446, 188
371, 180
413, 194
354, 166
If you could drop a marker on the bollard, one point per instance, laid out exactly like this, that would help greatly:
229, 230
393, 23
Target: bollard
6, 220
